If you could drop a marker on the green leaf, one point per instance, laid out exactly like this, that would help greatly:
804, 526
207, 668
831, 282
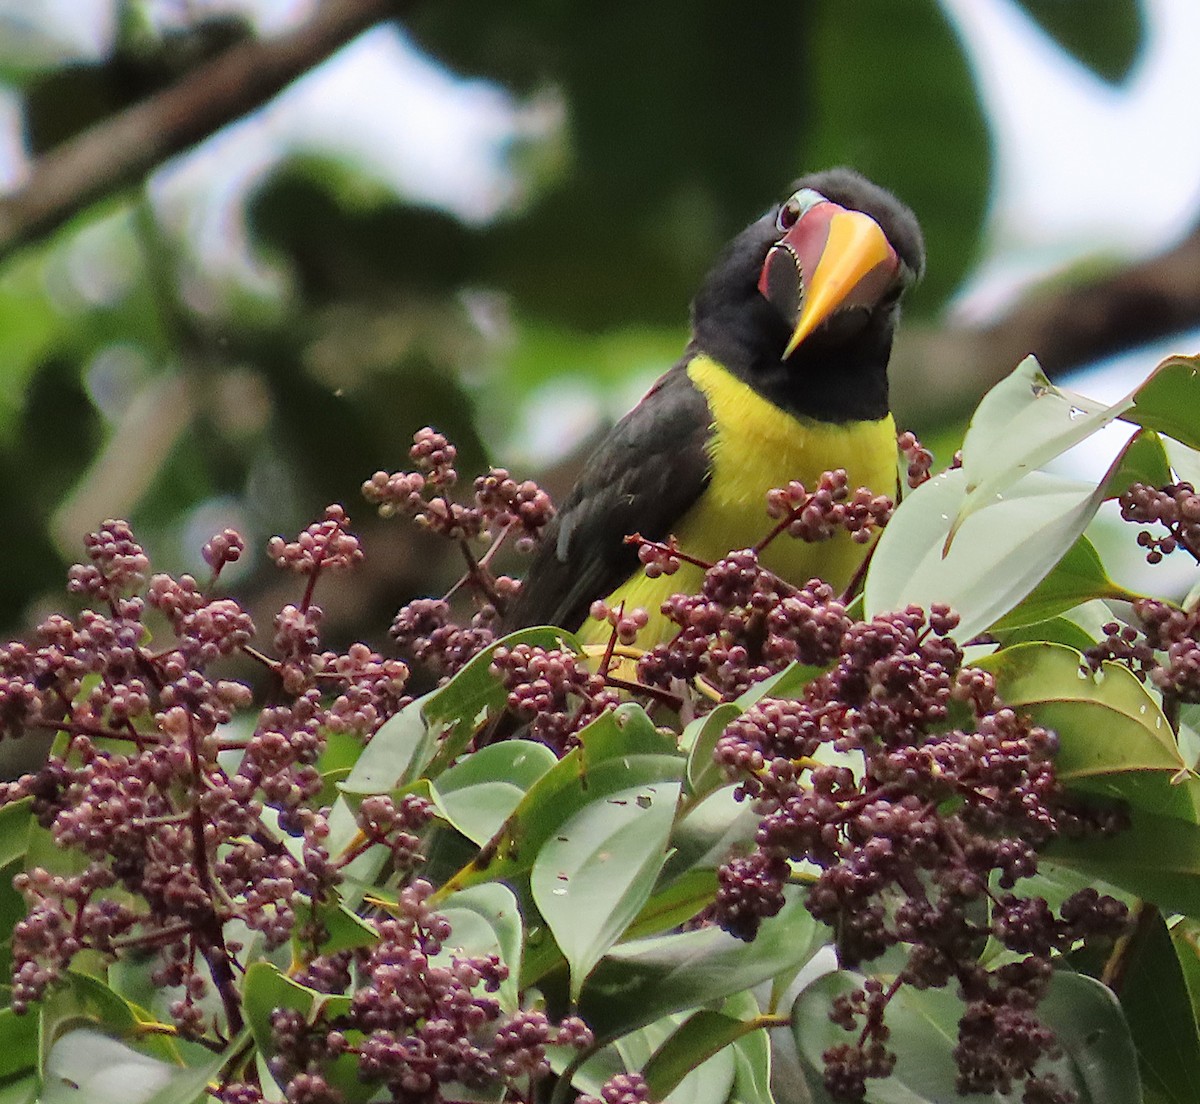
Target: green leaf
1106, 721
788, 683
1156, 858
1057, 630
346, 930
594, 875
1098, 1059
15, 819
682, 899
1147, 460
701, 1035
24, 1090
18, 1043
752, 1072
1078, 577
1169, 400
87, 1064
81, 1001
616, 752
707, 1082
473, 698
1185, 936
707, 831
385, 760
1113, 738
478, 794
486, 920
191, 1086
639, 982
700, 740
428, 734
998, 554
1154, 996
1108, 36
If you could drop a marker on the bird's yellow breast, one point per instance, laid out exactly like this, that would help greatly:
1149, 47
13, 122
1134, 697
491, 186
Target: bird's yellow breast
755, 446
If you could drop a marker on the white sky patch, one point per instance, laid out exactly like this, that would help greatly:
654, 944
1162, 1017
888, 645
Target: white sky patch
1083, 167
268, 16
382, 105
34, 32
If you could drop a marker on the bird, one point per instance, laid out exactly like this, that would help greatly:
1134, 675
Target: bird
784, 377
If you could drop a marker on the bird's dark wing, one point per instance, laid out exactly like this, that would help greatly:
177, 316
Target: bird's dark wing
641, 479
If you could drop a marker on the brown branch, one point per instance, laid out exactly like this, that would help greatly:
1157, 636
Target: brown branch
121, 150
940, 373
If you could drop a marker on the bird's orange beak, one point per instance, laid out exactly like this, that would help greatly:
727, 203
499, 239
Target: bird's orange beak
829, 260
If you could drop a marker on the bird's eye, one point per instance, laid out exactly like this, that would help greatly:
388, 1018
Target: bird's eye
800, 202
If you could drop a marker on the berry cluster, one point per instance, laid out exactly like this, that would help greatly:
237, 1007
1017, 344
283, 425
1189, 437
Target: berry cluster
1176, 633
917, 456
622, 1088
151, 783
743, 625
500, 505
553, 690
1122, 644
1176, 507
420, 1018
954, 796
817, 515
501, 508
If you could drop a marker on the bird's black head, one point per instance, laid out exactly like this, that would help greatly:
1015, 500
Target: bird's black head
803, 303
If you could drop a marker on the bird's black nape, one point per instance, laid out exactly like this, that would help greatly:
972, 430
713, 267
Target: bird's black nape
839, 373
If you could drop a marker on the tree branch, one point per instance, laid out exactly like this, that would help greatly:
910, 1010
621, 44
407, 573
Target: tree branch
124, 148
938, 374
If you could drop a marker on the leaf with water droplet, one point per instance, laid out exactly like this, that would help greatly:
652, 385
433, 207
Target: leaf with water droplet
1020, 424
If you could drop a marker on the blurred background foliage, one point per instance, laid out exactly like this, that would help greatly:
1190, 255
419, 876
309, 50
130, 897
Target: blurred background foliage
189, 371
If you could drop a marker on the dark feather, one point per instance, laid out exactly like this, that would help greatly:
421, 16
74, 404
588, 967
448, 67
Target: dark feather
643, 477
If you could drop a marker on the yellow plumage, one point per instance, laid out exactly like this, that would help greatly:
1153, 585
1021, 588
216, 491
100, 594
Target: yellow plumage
756, 446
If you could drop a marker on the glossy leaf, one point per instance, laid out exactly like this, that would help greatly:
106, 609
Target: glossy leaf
1019, 425
265, 988
1154, 996
1185, 937
87, 1064
701, 1035
752, 1071
997, 557
191, 1086
1078, 577
18, 1043
639, 982
1169, 400
591, 879
15, 819
478, 794
614, 754
675, 904
345, 929
707, 831
700, 740
1106, 722
1156, 858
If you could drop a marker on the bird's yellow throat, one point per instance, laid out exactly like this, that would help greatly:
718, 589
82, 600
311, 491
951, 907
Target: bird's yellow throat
755, 446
